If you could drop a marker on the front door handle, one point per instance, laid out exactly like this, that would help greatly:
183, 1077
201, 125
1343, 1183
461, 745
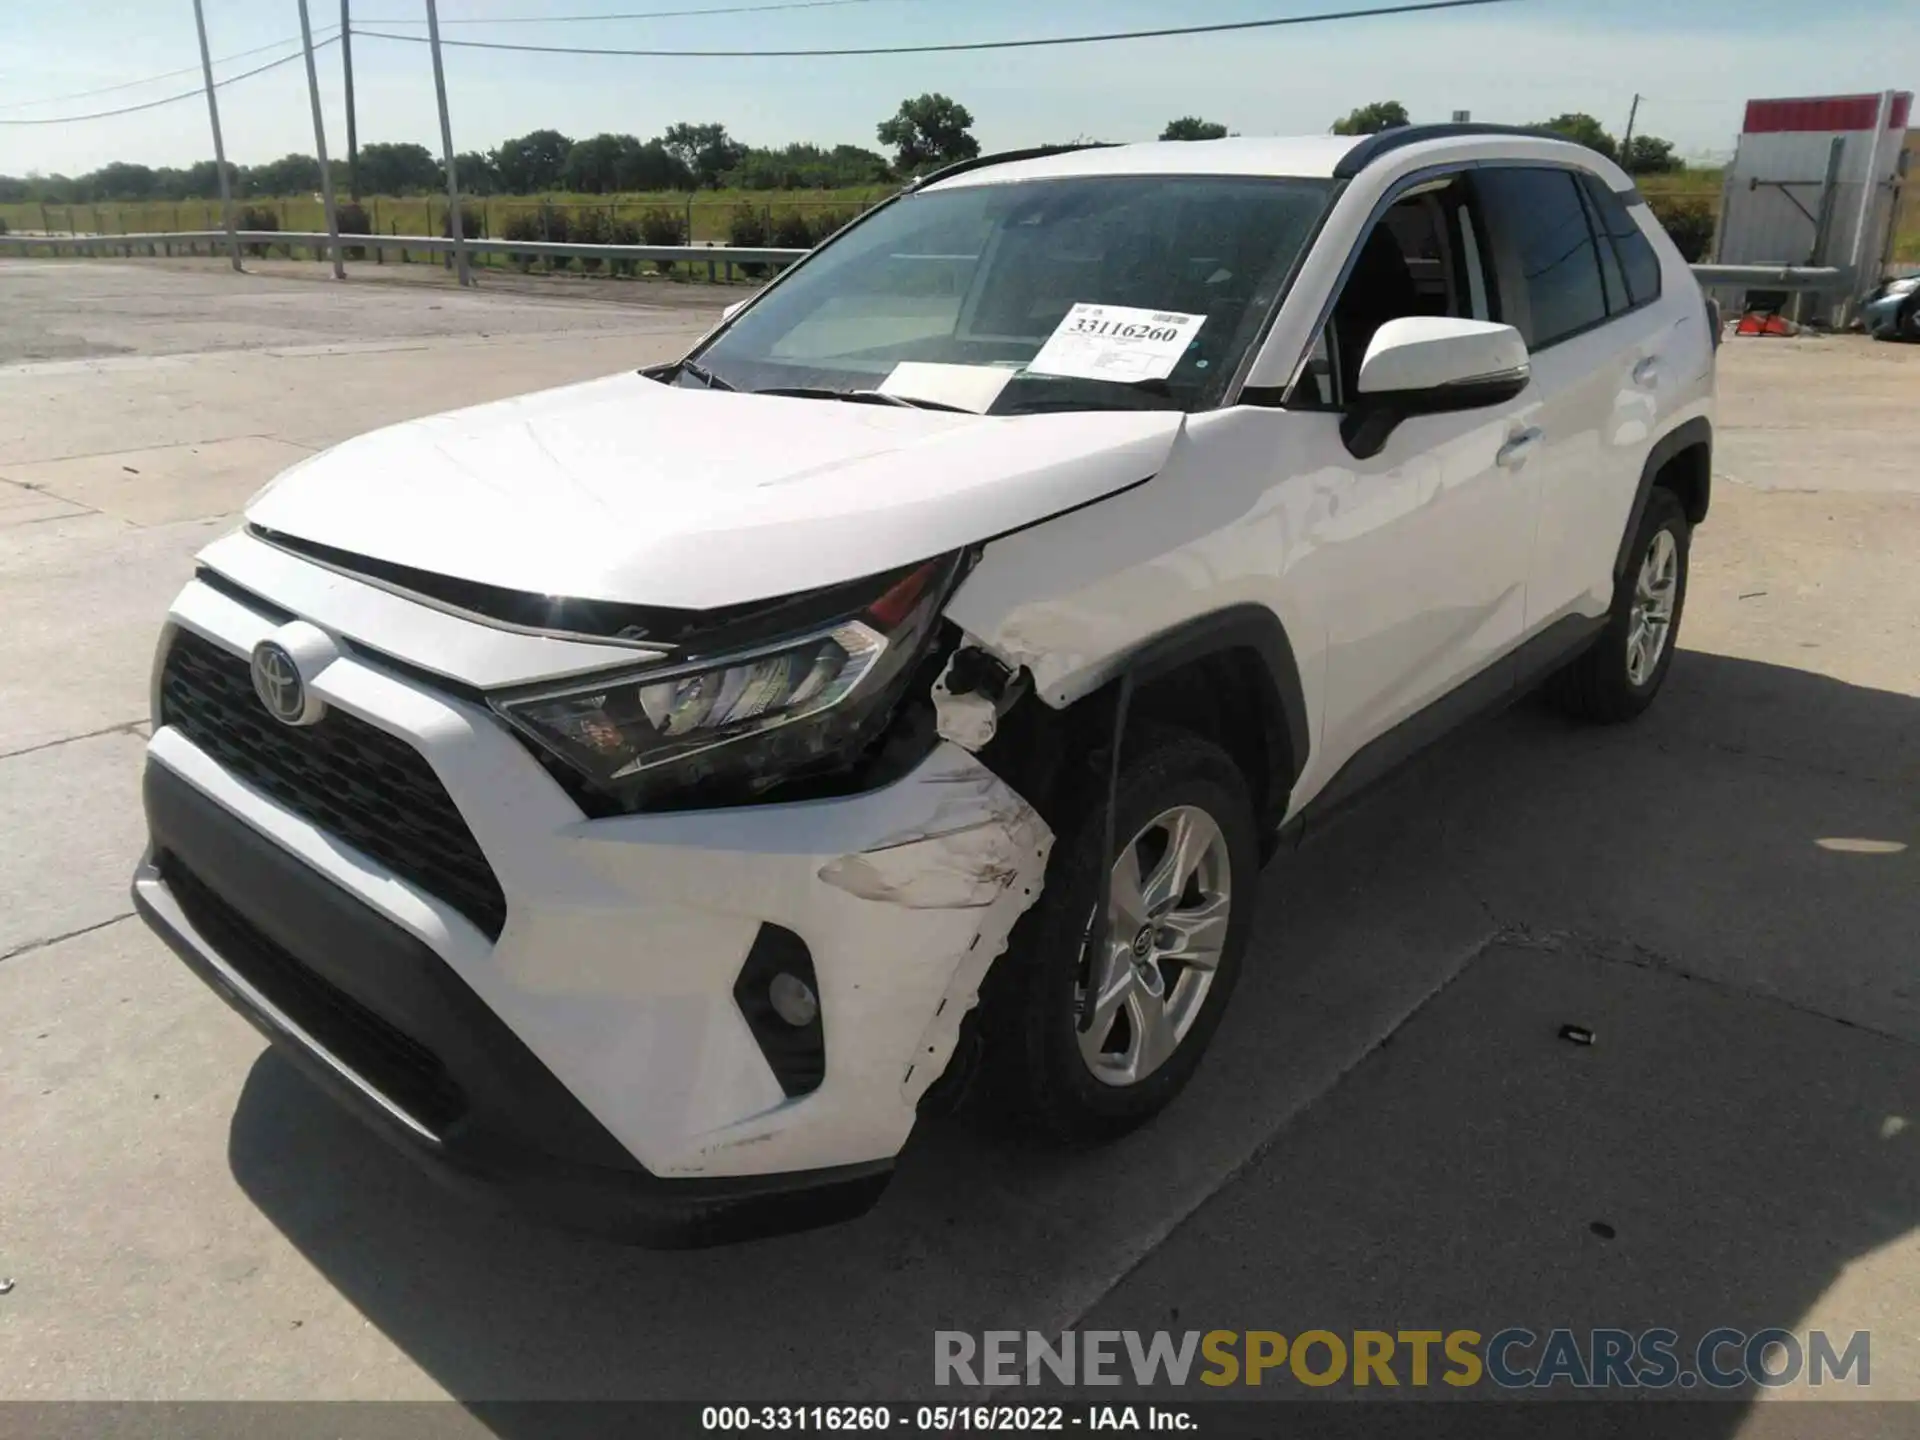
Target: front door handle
1647, 373
1519, 445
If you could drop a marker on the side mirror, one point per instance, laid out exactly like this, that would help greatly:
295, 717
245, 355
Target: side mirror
731, 311
1428, 365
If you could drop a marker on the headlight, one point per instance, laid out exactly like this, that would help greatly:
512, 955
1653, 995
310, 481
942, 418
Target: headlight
746, 720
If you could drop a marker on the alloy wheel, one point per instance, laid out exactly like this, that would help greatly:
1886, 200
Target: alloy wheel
1167, 917
1654, 593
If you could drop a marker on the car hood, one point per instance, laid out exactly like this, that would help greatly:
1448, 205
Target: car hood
629, 490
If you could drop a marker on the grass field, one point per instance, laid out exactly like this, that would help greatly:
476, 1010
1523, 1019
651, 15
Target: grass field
709, 211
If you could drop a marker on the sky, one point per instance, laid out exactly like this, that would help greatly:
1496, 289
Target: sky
1695, 62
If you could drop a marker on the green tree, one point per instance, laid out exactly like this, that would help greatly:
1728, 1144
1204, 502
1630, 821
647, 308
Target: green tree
1582, 129
1372, 119
289, 175
528, 163
650, 166
929, 130
1689, 223
1192, 127
402, 169
476, 171
121, 181
593, 165
1649, 155
202, 180
809, 167
706, 150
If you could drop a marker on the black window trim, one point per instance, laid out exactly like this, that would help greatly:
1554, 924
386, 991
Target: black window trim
1602, 237
1593, 182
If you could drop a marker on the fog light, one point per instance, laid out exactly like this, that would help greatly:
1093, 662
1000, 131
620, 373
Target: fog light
793, 1000
779, 998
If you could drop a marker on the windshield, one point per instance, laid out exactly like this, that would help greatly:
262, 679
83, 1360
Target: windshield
1142, 291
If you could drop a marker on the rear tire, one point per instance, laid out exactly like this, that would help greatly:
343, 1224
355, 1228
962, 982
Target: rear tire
1170, 969
1618, 676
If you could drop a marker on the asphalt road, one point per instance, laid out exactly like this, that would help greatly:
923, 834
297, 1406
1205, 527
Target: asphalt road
1390, 1133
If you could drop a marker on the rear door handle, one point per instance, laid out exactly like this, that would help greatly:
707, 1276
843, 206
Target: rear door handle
1519, 445
1647, 373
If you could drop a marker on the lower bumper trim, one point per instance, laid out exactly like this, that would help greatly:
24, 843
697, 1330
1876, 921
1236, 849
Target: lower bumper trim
633, 1207
288, 982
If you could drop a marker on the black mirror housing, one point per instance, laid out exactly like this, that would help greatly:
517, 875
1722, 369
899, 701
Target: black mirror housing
1371, 420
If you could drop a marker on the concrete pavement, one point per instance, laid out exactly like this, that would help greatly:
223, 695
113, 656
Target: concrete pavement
1390, 1132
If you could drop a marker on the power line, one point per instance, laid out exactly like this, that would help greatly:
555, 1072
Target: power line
948, 48
152, 79
192, 94
637, 14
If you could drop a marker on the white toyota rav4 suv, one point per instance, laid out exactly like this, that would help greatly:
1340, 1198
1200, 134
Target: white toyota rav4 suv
633, 798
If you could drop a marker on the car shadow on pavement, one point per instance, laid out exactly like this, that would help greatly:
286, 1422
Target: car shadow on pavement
1391, 1133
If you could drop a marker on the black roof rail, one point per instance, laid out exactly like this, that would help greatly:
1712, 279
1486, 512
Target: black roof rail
1005, 157
1387, 141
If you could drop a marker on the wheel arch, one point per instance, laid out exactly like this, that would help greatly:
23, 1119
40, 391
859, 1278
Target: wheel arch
1229, 675
1681, 461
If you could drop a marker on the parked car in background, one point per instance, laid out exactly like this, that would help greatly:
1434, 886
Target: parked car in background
1892, 311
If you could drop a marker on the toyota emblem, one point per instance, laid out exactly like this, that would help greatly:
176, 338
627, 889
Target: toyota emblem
276, 680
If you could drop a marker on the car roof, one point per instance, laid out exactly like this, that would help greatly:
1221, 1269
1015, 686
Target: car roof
1312, 156
1299, 156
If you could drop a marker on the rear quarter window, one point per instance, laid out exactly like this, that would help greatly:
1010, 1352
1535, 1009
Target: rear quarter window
1639, 265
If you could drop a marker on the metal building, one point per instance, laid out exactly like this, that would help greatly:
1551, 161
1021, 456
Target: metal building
1816, 181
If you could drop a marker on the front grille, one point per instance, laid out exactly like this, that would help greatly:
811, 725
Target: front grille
395, 1064
362, 785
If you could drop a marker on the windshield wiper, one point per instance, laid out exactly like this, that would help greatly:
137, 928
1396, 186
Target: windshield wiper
860, 397
1153, 385
703, 375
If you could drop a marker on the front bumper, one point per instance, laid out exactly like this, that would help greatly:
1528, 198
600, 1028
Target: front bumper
614, 974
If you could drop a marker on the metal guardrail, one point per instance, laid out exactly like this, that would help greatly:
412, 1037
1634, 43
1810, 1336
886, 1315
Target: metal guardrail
1830, 278
1814, 278
157, 242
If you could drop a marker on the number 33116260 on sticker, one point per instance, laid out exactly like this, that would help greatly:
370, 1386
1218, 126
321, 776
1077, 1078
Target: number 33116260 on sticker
1116, 342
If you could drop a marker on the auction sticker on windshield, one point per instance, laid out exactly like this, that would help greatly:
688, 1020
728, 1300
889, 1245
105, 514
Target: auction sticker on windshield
1116, 342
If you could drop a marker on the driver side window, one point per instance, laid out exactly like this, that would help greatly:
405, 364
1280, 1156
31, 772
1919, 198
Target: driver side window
1424, 256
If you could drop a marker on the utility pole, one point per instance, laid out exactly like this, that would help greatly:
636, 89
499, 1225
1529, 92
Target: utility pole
219, 145
446, 147
1626, 141
320, 148
353, 129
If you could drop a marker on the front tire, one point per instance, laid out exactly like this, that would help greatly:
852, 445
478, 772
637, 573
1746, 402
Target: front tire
1181, 909
1618, 676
